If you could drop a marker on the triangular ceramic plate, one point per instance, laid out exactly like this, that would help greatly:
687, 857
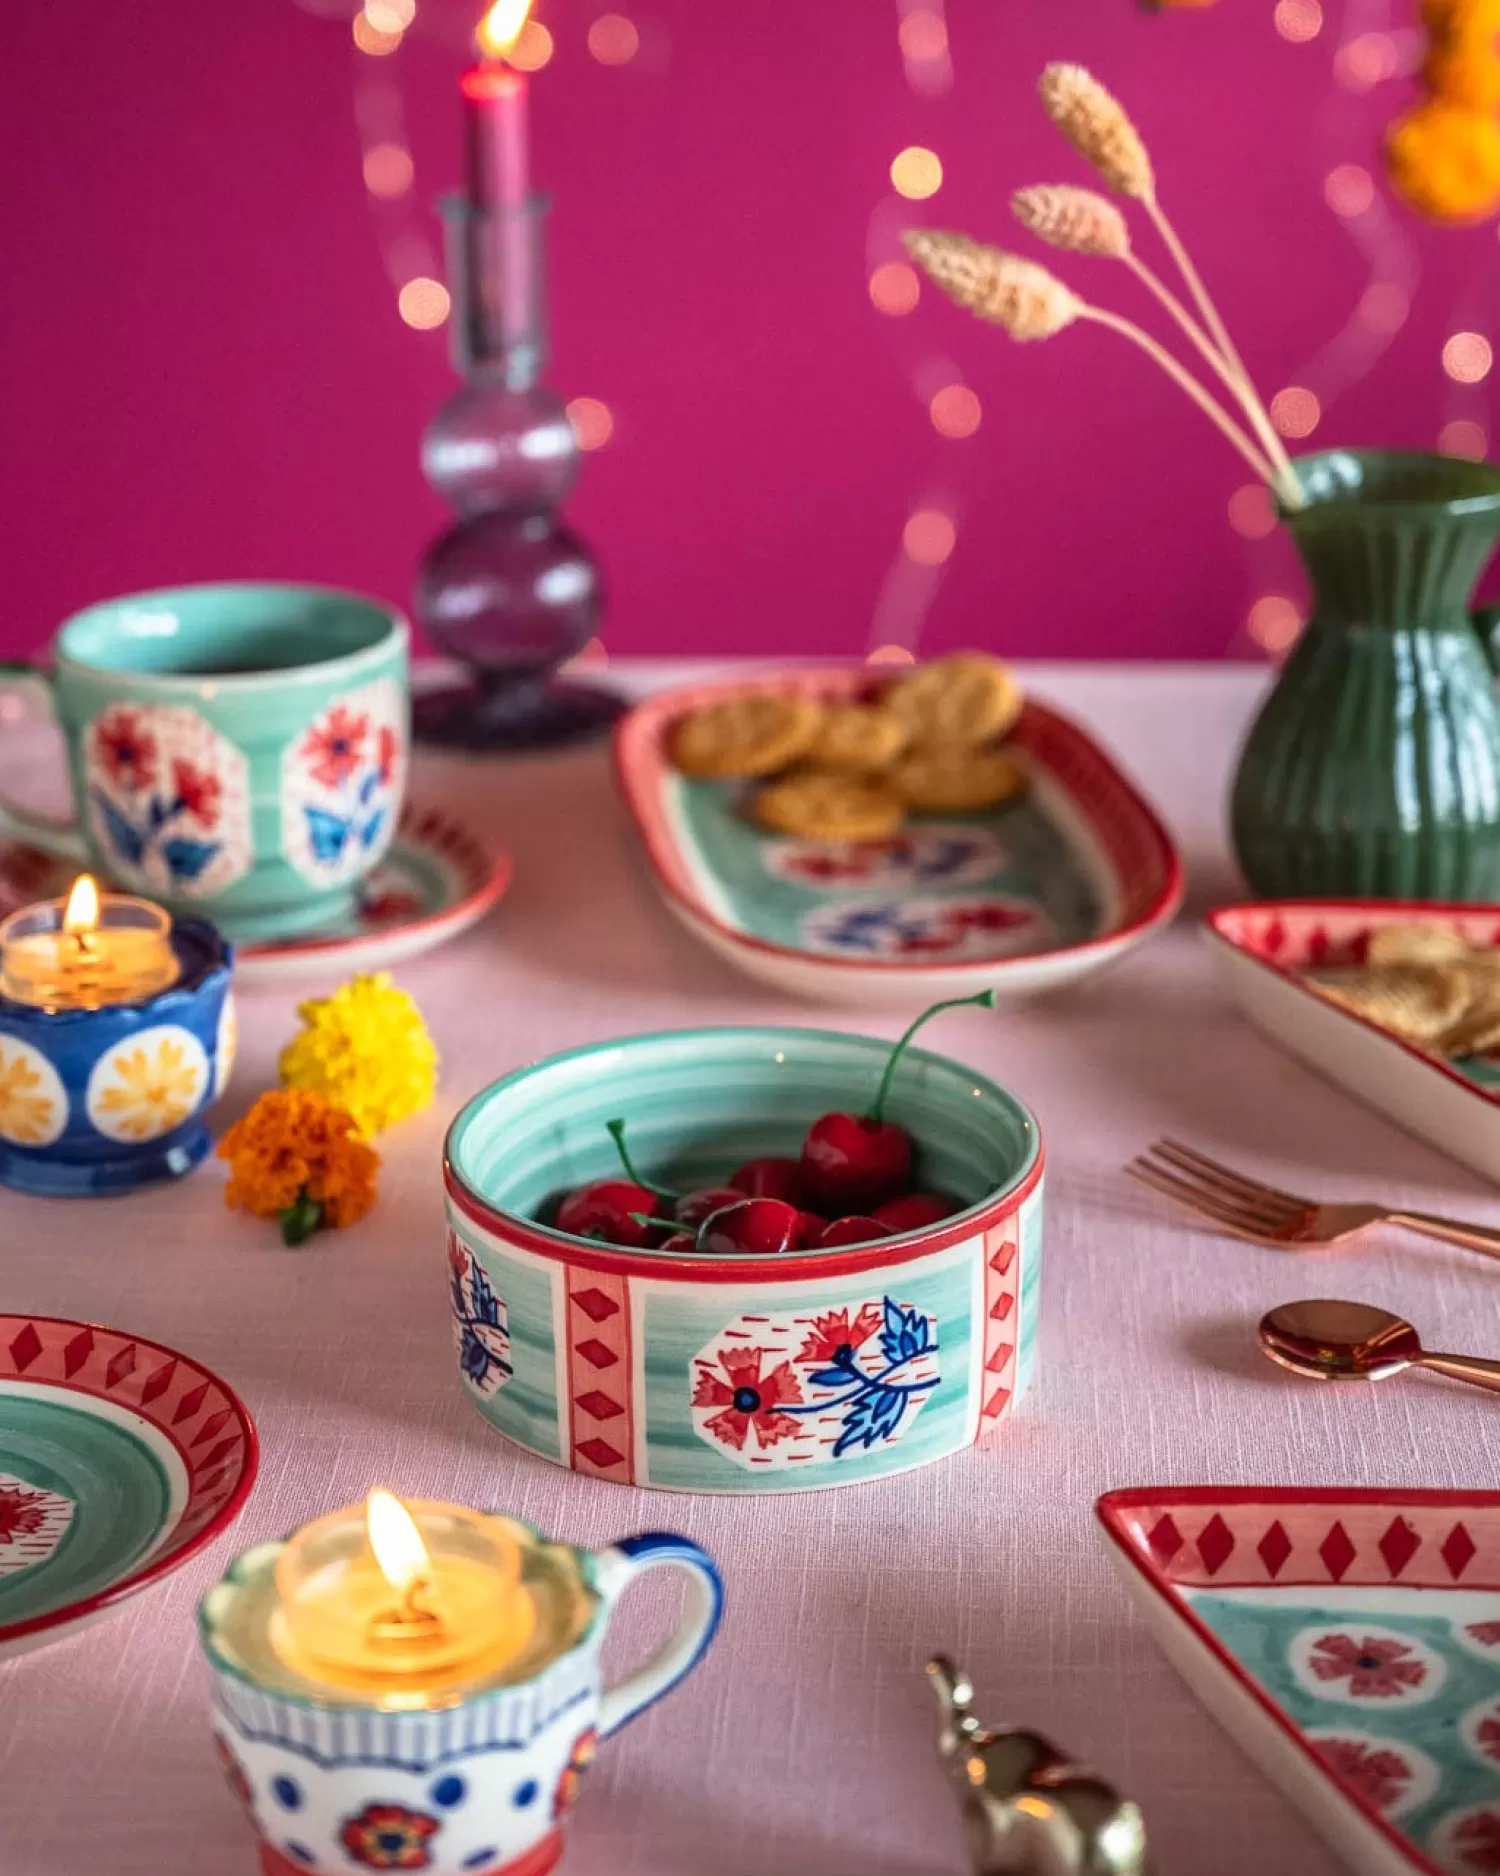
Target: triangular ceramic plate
1021, 898
1265, 947
437, 879
118, 1460
1349, 1641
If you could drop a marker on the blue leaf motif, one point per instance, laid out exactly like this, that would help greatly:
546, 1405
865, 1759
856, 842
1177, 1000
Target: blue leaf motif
832, 1377
368, 786
873, 1418
486, 1304
126, 840
907, 1332
370, 832
328, 834
474, 1357
186, 859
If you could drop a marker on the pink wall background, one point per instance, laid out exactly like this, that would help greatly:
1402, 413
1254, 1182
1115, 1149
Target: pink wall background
203, 373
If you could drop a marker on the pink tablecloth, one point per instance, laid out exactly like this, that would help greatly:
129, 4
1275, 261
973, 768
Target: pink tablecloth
805, 1742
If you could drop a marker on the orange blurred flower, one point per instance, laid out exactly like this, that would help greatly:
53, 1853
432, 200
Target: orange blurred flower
297, 1159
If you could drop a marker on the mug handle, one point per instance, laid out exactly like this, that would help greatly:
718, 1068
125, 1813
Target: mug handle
615, 1570
64, 838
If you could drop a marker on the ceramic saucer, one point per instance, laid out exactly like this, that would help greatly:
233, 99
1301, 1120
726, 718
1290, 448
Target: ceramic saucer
437, 880
118, 1460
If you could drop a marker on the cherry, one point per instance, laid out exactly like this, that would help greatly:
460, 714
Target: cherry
769, 1178
679, 1241
913, 1210
852, 1230
693, 1207
754, 1228
615, 1211
855, 1162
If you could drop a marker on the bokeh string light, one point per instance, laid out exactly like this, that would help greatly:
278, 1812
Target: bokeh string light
592, 420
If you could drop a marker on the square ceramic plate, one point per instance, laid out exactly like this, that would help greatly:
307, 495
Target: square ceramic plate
1349, 1641
1021, 898
1263, 948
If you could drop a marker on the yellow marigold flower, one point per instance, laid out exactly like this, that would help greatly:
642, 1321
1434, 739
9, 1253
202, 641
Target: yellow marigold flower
366, 1050
295, 1158
1445, 160
1463, 65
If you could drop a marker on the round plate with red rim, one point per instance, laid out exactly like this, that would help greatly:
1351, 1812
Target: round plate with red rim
437, 880
119, 1459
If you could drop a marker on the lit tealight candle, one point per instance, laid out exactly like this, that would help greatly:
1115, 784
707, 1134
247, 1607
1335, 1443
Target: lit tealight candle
495, 100
88, 952
407, 1602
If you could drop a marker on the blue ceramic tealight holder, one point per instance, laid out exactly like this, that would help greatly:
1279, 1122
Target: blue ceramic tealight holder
102, 1089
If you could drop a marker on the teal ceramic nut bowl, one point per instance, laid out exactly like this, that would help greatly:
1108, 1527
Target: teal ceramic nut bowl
238, 751
740, 1373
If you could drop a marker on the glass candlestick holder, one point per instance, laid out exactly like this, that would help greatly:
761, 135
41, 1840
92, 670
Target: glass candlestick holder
509, 592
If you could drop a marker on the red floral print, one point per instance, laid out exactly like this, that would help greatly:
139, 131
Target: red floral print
1477, 1841
579, 1761
991, 917
1485, 1633
1487, 1737
750, 1399
1375, 1669
21, 1513
388, 1836
127, 751
234, 1773
835, 1335
1377, 1773
383, 907
333, 748
197, 791
386, 747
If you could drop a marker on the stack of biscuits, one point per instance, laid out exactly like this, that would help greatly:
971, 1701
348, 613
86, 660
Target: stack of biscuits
1425, 984
854, 771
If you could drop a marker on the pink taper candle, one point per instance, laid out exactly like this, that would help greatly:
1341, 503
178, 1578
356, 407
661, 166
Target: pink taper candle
495, 104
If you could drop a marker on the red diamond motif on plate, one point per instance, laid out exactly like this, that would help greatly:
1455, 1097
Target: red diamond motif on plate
1003, 1259
599, 1453
1317, 945
599, 1406
1003, 1307
1215, 1544
995, 1405
1337, 1552
77, 1352
596, 1354
212, 1425
190, 1403
1164, 1538
1399, 1545
1275, 937
1000, 1357
221, 1451
1458, 1551
121, 1364
158, 1382
25, 1348
596, 1305
1274, 1549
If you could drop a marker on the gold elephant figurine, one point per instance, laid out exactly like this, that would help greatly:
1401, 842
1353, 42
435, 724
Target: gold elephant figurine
1028, 1809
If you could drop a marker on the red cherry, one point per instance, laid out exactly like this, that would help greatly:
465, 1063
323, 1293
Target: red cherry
603, 1209
769, 1178
753, 1228
850, 1164
693, 1207
856, 1162
913, 1210
679, 1241
852, 1230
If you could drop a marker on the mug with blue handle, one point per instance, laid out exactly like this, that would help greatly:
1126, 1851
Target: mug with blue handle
236, 751
481, 1787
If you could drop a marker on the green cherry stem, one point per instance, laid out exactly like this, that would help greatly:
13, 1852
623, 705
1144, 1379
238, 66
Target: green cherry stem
300, 1219
985, 1000
617, 1134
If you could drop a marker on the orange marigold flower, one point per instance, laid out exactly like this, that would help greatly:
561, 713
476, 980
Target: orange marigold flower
296, 1158
1445, 160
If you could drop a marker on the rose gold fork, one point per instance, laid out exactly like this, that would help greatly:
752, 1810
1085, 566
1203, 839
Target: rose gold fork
1263, 1214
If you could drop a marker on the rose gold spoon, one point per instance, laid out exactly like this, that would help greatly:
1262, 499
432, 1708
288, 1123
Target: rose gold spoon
1331, 1341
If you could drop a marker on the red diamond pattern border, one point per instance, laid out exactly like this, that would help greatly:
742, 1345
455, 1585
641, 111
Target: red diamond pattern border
601, 1418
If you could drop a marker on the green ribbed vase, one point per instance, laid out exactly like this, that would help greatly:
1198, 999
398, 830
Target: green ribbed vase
1373, 769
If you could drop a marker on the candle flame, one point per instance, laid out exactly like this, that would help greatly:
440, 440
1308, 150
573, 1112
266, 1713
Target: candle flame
395, 1540
501, 27
81, 913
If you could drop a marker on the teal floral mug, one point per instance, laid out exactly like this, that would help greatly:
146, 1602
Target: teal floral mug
235, 751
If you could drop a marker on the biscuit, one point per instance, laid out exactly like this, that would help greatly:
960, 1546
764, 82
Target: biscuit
953, 780
958, 702
856, 738
745, 736
820, 806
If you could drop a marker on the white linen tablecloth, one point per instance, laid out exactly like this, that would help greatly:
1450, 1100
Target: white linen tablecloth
805, 1742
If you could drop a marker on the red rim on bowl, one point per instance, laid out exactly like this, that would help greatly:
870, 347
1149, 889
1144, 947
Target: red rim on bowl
145, 1378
